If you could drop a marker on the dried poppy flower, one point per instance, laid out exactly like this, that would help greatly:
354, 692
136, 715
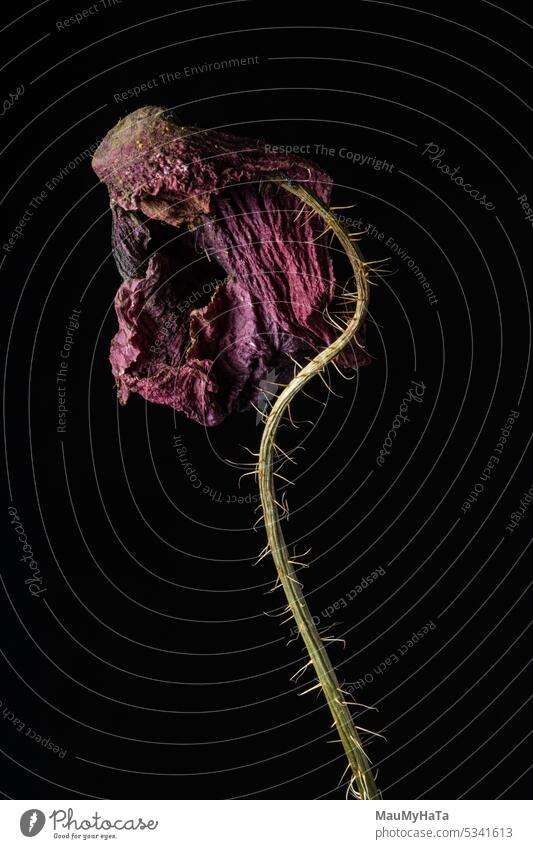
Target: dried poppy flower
222, 282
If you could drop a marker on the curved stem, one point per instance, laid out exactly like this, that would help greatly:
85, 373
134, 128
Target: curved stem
318, 657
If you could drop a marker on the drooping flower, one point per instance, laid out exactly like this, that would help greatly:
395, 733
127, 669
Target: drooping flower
224, 282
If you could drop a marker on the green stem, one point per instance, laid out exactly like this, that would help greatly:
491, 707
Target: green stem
327, 679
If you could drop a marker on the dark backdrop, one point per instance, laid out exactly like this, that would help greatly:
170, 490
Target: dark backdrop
148, 661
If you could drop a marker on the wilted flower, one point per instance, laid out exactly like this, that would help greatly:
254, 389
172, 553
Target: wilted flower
223, 281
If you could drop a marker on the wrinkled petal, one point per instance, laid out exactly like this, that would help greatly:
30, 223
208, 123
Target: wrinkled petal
222, 282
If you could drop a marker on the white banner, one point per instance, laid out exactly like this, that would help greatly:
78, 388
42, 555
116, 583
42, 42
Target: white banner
266, 824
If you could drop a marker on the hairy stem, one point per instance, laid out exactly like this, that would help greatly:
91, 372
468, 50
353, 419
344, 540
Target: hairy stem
326, 677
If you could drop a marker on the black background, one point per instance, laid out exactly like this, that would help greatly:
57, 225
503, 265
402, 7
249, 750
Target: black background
149, 658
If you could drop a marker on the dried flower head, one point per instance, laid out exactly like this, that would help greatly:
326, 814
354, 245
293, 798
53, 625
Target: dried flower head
224, 280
